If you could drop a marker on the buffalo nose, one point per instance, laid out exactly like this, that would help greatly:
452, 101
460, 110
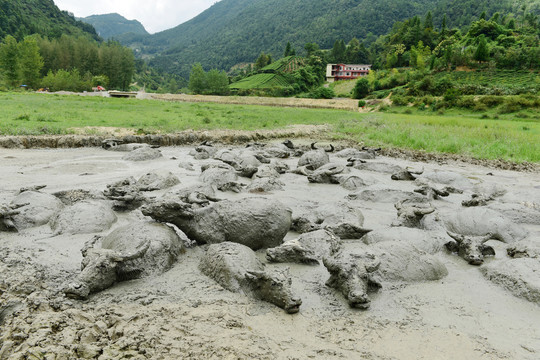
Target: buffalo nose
358, 297
476, 261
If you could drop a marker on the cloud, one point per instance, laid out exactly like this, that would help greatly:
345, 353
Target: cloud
157, 15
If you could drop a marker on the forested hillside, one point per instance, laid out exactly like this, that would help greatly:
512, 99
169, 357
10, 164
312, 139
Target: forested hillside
112, 25
236, 31
24, 17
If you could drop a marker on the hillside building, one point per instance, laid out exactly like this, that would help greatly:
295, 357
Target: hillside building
335, 72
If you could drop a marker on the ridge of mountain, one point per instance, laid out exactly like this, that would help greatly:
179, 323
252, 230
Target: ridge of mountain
237, 31
112, 25
26, 17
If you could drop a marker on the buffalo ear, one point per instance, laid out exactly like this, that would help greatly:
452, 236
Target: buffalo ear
374, 284
373, 265
452, 246
254, 275
488, 250
330, 264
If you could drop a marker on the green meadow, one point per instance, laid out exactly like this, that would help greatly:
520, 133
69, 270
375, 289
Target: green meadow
507, 137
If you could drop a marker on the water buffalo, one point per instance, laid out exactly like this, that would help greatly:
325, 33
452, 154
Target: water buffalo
308, 248
410, 215
33, 209
354, 273
129, 252
237, 269
6, 216
407, 174
351, 275
471, 248
315, 158
255, 222
328, 174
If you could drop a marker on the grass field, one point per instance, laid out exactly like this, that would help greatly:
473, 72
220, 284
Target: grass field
508, 138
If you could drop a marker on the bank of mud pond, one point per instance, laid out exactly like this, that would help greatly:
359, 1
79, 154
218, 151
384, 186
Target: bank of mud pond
302, 133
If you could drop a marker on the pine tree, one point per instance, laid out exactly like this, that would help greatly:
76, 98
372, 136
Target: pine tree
443, 27
288, 50
482, 51
428, 22
9, 60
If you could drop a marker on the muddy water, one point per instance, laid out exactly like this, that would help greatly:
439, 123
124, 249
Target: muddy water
183, 314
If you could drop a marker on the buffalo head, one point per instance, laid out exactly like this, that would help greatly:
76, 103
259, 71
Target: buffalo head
352, 275
99, 269
471, 248
275, 288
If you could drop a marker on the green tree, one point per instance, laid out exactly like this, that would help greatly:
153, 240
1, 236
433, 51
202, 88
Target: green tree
197, 79
262, 61
311, 49
9, 60
288, 50
428, 22
443, 27
482, 51
361, 88
30, 62
217, 82
338, 51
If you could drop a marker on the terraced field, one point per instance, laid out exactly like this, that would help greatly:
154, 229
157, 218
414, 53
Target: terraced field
261, 81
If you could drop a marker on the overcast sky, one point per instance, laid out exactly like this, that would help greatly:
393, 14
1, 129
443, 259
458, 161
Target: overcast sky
155, 15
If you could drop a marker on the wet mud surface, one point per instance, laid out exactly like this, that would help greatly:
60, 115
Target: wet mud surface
184, 314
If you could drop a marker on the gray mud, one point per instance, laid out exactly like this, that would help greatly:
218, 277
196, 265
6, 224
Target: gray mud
183, 314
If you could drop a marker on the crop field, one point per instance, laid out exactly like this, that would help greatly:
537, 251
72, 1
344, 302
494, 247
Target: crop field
508, 138
261, 81
287, 64
499, 78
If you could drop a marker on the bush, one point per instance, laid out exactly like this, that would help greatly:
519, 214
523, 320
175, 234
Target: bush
67, 80
491, 100
466, 102
322, 93
480, 107
451, 95
361, 103
400, 100
361, 89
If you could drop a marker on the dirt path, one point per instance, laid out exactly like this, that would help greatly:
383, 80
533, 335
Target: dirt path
342, 104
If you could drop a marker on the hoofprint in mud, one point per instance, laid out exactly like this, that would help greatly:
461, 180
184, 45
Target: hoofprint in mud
164, 306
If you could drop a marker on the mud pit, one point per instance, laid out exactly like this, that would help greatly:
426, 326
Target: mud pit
184, 314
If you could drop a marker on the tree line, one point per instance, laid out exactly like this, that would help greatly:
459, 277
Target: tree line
67, 63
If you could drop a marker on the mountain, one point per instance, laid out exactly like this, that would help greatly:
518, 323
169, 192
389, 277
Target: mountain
237, 31
113, 25
25, 17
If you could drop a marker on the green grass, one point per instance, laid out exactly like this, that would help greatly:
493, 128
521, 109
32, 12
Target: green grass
343, 88
510, 137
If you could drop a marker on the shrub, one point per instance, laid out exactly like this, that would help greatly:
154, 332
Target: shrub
361, 89
480, 107
466, 102
322, 93
400, 100
491, 100
451, 95
361, 103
